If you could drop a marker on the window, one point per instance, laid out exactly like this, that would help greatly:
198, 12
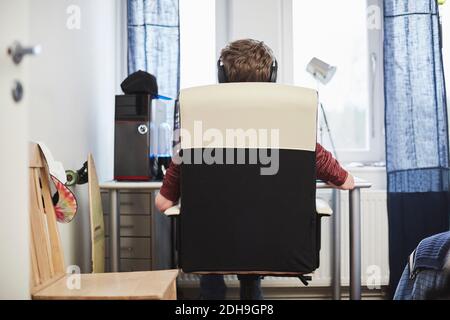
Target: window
197, 43
338, 32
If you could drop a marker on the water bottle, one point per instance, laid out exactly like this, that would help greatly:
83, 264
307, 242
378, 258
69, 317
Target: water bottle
161, 137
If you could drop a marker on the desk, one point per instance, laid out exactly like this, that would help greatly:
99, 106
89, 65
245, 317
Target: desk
114, 188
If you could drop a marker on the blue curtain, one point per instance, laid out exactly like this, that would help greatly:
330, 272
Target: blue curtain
154, 42
416, 122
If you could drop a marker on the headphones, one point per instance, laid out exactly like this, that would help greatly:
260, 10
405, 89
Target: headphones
222, 76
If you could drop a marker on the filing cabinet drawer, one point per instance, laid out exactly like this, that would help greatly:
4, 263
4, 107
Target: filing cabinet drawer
130, 265
134, 248
132, 225
137, 248
130, 203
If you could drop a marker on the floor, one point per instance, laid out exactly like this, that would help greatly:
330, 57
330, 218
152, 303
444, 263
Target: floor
288, 293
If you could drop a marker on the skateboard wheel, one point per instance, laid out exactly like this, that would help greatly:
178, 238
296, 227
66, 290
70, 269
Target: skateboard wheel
72, 177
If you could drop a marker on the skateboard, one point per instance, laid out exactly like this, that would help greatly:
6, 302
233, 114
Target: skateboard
88, 174
96, 219
63, 198
64, 201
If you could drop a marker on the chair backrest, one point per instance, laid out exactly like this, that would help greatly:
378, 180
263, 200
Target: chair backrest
248, 179
47, 261
96, 219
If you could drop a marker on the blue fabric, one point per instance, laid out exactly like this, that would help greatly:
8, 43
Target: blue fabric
416, 112
425, 273
431, 252
417, 156
154, 42
422, 286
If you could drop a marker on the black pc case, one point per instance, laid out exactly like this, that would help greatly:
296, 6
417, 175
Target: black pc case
132, 137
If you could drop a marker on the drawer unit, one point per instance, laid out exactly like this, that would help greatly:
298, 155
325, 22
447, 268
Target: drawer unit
132, 225
145, 234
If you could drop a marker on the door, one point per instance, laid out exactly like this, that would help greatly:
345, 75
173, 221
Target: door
14, 232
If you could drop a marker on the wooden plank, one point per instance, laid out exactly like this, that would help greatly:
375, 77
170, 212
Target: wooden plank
38, 234
96, 220
171, 293
37, 192
34, 155
44, 217
47, 263
148, 285
36, 289
53, 232
35, 278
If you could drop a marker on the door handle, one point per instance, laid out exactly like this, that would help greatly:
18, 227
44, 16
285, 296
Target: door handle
17, 51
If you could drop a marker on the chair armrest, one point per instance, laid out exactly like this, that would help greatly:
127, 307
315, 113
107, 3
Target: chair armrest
173, 211
323, 208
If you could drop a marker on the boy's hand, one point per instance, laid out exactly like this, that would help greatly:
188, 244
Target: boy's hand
162, 203
349, 183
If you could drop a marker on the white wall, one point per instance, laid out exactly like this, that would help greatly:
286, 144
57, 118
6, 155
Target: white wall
73, 83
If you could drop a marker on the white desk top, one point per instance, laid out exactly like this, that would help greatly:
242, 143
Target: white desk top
359, 184
156, 185
145, 185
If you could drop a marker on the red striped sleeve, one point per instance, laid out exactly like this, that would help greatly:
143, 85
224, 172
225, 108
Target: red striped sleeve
171, 183
328, 168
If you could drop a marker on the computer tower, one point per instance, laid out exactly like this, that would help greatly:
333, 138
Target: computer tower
132, 137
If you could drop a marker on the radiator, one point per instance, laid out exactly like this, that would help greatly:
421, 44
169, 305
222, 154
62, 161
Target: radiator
374, 247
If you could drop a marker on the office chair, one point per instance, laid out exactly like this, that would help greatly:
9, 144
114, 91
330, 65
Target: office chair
239, 214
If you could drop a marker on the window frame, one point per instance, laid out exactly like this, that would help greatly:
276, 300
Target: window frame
376, 151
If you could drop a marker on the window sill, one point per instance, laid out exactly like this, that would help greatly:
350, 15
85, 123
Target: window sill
364, 168
374, 174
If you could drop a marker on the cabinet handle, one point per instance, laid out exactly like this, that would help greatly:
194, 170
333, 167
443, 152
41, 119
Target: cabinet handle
128, 203
127, 249
127, 226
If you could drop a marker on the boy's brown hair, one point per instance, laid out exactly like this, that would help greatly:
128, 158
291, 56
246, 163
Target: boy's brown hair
247, 60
